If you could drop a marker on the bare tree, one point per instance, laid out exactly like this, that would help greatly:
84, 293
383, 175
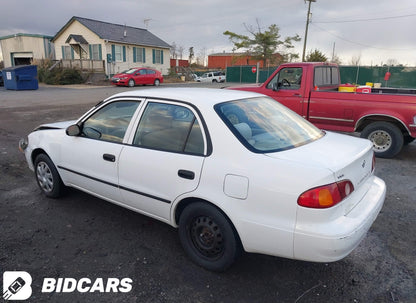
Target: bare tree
191, 54
336, 59
355, 60
392, 62
201, 57
173, 51
180, 52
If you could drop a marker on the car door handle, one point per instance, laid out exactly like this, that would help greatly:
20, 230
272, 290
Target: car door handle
186, 174
297, 95
109, 157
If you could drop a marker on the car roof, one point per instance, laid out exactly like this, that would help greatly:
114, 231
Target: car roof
197, 96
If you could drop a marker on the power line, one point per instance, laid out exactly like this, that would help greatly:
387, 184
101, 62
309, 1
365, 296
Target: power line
367, 19
358, 43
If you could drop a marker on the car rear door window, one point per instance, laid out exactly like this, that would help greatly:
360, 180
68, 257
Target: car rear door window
169, 127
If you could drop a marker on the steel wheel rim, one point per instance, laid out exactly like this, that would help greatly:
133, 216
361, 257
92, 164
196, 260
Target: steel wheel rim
381, 140
207, 237
44, 176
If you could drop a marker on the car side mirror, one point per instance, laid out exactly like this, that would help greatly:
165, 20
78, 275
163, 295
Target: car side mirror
73, 130
275, 87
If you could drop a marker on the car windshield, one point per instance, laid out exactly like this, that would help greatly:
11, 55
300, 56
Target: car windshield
264, 125
130, 71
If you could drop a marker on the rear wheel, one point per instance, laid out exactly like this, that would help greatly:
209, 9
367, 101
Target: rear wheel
131, 83
48, 177
157, 82
208, 237
386, 137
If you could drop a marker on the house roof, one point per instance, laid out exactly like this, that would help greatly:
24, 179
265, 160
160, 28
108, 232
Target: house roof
26, 35
117, 33
77, 38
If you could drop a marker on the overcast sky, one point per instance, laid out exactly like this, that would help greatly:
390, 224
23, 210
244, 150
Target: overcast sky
375, 31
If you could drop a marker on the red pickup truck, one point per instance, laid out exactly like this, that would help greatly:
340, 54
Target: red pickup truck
385, 116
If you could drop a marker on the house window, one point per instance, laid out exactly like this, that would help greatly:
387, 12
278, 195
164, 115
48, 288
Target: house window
157, 56
95, 52
67, 52
139, 54
118, 51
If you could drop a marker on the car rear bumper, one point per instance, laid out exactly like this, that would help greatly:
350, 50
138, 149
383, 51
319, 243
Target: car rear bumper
334, 240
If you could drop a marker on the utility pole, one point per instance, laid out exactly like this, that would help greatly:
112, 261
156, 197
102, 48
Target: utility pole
306, 30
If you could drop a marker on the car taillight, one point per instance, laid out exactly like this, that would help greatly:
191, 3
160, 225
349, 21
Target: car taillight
327, 195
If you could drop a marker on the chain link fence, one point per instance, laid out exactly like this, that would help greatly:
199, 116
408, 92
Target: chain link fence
400, 76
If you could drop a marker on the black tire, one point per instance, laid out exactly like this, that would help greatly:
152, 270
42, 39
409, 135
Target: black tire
48, 177
208, 237
157, 82
214, 81
131, 83
386, 137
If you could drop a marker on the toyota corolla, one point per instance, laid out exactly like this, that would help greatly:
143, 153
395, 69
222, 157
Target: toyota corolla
233, 171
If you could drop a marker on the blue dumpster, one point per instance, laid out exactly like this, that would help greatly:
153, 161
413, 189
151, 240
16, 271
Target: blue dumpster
20, 77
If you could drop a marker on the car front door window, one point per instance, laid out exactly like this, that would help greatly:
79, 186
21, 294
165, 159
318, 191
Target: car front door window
287, 78
110, 122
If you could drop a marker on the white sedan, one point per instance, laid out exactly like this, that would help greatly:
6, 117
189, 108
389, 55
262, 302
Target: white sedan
232, 170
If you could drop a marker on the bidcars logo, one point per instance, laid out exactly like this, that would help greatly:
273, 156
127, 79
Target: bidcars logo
84, 285
16, 285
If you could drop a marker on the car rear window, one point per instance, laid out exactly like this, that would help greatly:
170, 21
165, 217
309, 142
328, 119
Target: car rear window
264, 125
326, 76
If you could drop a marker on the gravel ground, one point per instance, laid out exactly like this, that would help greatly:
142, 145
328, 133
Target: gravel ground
82, 236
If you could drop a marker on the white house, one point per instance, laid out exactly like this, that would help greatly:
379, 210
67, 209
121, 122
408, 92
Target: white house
118, 47
23, 49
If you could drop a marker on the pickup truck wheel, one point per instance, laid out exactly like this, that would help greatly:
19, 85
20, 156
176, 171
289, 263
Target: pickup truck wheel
214, 81
208, 237
48, 177
386, 137
131, 83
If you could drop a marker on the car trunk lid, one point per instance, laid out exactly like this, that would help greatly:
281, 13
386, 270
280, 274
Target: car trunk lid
347, 157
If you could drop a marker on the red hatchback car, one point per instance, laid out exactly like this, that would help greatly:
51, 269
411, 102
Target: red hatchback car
136, 76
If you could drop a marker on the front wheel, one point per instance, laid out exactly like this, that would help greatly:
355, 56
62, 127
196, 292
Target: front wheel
208, 237
48, 177
131, 83
386, 137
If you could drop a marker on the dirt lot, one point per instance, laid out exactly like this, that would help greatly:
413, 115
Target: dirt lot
82, 236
